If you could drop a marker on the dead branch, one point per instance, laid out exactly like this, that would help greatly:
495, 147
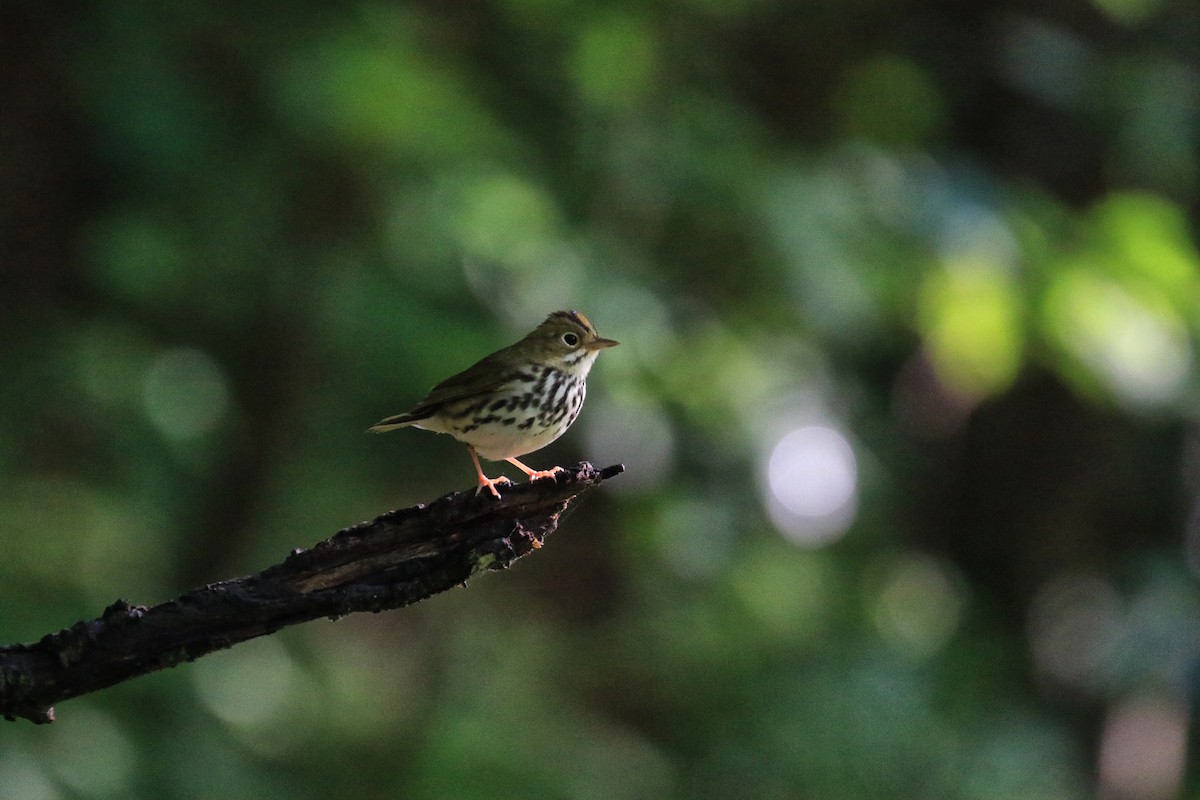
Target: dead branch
391, 561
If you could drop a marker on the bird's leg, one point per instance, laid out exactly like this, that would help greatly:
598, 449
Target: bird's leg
534, 474
484, 480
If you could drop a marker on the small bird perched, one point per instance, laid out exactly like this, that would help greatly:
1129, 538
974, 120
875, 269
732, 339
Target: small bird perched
516, 400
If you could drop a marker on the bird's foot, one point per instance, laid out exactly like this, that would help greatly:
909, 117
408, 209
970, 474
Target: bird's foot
491, 484
534, 474
545, 473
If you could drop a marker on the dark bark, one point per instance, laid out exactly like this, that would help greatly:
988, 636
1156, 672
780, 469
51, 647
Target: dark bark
396, 559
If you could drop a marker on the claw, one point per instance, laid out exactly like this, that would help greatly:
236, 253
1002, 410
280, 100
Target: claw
490, 483
484, 480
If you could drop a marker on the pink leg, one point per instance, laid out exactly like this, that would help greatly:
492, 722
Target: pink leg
484, 480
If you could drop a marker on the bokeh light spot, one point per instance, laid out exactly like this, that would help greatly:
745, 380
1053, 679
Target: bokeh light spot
1073, 622
812, 479
516, 258
792, 592
140, 257
970, 319
185, 393
633, 431
696, 537
639, 319
918, 606
1143, 748
22, 776
1129, 12
1046, 61
1139, 348
248, 686
375, 84
93, 755
615, 61
502, 216
1151, 241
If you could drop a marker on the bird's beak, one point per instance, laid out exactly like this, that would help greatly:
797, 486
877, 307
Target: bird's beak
600, 344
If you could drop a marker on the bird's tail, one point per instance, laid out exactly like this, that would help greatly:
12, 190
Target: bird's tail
392, 423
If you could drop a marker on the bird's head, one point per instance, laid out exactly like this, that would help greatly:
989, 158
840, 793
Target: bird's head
566, 340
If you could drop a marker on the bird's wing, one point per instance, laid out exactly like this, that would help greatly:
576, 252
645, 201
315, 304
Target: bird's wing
481, 378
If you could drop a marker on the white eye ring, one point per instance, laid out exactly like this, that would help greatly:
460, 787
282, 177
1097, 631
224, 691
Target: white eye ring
569, 339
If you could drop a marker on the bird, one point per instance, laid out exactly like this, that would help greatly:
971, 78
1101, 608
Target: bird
516, 400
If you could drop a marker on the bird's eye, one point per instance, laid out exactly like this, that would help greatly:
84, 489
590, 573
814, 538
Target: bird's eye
570, 339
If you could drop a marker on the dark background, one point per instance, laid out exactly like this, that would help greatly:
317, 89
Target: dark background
908, 295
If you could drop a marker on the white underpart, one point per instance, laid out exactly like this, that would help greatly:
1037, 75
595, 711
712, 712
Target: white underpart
497, 443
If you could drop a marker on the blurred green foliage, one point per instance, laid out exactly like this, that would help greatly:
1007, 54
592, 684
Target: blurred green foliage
908, 293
